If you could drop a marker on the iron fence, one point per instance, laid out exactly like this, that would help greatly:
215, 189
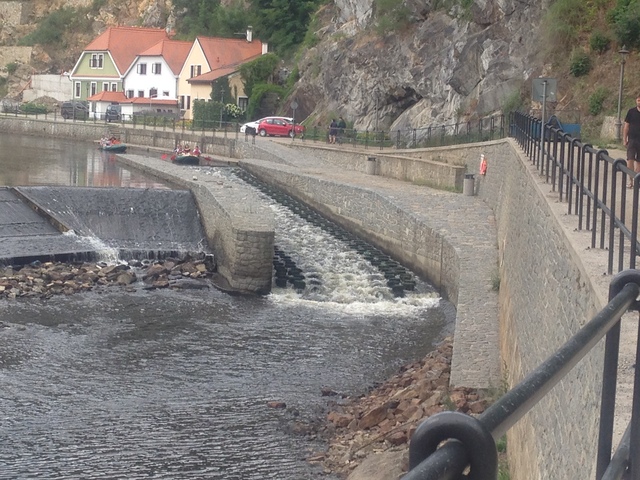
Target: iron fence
591, 182
482, 129
593, 185
471, 442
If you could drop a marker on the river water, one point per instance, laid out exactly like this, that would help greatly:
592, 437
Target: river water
174, 384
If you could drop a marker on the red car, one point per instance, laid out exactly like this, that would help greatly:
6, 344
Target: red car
280, 127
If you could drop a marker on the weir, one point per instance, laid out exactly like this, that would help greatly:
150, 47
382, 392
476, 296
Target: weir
72, 223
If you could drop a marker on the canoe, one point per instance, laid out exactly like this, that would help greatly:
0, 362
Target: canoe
186, 160
117, 148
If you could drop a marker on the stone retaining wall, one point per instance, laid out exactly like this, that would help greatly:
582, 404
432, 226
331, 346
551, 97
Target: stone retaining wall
545, 297
399, 165
15, 13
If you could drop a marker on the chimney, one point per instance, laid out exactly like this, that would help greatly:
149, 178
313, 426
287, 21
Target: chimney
249, 34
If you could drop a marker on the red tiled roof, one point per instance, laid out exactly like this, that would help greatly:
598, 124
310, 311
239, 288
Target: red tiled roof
120, 97
213, 75
173, 51
124, 43
223, 52
108, 97
152, 101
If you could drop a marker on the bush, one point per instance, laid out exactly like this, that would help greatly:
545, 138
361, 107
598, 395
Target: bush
33, 109
599, 42
12, 67
580, 63
596, 100
392, 16
625, 19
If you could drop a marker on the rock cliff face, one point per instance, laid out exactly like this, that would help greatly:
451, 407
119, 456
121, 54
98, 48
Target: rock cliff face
445, 66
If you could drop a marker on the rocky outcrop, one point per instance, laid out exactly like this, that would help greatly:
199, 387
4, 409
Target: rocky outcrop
439, 66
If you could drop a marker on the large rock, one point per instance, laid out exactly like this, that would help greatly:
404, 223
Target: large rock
443, 65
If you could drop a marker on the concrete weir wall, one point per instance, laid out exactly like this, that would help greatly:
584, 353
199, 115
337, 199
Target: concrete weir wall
239, 229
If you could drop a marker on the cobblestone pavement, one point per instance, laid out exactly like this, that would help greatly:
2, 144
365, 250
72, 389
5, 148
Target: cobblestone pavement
468, 224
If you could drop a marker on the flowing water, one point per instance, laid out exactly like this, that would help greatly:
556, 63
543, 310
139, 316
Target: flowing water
174, 384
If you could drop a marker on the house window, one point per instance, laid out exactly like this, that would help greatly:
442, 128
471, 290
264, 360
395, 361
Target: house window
97, 60
185, 102
196, 70
94, 88
153, 93
114, 87
105, 86
165, 93
77, 90
243, 103
141, 93
129, 93
156, 68
142, 68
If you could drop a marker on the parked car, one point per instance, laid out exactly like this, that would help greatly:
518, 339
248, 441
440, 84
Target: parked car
77, 109
280, 127
113, 113
254, 124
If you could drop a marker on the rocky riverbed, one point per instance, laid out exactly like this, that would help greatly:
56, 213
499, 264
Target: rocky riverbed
45, 279
384, 419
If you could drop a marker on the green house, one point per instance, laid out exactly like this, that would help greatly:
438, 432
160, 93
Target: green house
103, 63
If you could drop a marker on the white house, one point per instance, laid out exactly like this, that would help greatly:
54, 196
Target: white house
154, 73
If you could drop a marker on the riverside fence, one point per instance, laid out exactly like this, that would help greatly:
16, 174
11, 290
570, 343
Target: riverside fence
594, 187
479, 130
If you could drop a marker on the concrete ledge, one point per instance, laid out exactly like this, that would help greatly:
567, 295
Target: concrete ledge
239, 229
396, 165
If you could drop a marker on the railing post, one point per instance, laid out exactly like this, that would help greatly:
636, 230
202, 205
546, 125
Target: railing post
610, 375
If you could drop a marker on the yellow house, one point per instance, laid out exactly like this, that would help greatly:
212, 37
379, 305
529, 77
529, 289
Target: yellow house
210, 59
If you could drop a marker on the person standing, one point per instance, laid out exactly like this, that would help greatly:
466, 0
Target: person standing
333, 131
631, 138
342, 126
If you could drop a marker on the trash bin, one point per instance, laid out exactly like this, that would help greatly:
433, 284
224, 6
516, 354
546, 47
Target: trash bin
371, 165
468, 187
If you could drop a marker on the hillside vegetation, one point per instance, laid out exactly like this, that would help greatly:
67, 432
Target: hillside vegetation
579, 43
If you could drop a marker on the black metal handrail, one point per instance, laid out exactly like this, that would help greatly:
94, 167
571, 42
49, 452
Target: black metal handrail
592, 183
470, 442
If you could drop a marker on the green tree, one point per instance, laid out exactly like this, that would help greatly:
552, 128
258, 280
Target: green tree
283, 23
220, 90
259, 70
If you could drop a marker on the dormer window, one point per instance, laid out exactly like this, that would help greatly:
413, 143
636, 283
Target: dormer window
142, 68
97, 60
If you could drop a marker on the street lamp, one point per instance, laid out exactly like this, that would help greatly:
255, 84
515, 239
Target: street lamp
623, 57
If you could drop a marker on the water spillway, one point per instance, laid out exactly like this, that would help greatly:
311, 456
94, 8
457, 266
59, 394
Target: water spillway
133, 222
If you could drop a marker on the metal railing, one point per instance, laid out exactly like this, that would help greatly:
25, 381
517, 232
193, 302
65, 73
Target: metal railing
470, 442
482, 129
593, 185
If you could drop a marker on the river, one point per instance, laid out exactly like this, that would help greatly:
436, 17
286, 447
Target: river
175, 384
